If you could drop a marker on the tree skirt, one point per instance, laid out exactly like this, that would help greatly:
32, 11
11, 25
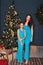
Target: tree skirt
3, 62
32, 61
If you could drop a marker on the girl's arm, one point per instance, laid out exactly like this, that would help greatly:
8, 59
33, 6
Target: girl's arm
18, 35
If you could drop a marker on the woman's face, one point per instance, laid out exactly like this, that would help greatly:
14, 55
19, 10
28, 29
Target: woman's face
21, 25
28, 18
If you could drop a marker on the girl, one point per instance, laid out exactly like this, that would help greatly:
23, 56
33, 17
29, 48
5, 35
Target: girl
28, 38
21, 34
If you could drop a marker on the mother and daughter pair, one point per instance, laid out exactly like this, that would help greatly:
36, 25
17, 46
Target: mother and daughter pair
24, 37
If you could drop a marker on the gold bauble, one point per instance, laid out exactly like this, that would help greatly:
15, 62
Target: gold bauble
11, 23
11, 6
7, 32
9, 29
11, 41
6, 36
3, 31
12, 33
6, 24
3, 36
15, 13
1, 41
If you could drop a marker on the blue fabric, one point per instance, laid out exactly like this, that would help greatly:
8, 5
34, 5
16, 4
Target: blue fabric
28, 33
20, 48
27, 51
27, 42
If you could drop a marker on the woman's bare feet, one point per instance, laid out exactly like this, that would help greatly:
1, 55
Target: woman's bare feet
26, 62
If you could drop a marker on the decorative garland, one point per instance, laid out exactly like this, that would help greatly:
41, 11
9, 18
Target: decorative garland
39, 14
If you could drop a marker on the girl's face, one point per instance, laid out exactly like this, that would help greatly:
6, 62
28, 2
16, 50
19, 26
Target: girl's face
21, 25
28, 18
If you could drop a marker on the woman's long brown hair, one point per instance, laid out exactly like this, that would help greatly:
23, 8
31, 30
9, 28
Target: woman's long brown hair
31, 20
30, 23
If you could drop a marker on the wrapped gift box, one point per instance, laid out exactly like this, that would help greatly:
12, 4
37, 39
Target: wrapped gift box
3, 62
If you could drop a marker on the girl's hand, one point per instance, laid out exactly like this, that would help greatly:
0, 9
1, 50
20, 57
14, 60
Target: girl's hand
21, 43
20, 39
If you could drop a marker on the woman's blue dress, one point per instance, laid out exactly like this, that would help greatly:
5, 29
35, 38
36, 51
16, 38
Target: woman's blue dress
20, 47
27, 42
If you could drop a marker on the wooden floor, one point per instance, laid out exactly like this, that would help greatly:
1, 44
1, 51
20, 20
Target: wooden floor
36, 51
32, 61
36, 56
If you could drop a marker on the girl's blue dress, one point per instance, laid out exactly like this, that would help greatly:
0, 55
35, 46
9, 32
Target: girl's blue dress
20, 48
27, 41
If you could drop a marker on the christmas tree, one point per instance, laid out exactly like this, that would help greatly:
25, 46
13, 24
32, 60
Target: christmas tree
11, 24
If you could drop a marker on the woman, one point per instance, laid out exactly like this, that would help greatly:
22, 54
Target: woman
21, 34
28, 38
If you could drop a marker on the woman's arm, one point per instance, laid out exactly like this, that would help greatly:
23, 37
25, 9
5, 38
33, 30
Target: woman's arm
32, 33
